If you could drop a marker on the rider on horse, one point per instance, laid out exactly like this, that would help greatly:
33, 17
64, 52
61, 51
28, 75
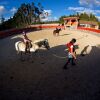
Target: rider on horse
27, 42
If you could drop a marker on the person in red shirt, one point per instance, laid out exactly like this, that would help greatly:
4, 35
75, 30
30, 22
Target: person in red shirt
27, 42
71, 53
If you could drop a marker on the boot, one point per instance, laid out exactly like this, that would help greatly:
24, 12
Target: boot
65, 66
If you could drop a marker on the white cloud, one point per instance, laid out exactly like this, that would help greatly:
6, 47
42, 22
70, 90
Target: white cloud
76, 8
89, 3
13, 10
87, 7
50, 19
83, 9
48, 11
2, 10
83, 2
7, 13
46, 16
97, 2
6, 18
98, 17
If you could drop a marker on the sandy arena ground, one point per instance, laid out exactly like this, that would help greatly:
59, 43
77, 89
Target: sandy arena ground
43, 76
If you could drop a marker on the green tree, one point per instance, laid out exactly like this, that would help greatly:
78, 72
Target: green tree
25, 15
2, 19
84, 16
93, 18
61, 19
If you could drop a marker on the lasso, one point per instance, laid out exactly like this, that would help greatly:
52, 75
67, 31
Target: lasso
60, 56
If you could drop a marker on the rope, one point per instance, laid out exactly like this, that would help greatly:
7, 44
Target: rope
59, 56
67, 50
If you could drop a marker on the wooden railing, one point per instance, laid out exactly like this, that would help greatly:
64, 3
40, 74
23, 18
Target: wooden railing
10, 32
90, 29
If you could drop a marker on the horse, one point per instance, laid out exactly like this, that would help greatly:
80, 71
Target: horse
20, 46
56, 31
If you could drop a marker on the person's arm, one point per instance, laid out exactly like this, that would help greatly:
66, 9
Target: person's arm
26, 37
73, 53
29, 40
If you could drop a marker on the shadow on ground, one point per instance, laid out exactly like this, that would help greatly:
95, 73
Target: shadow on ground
45, 78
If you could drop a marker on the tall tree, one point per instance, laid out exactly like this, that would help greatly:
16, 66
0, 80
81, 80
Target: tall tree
2, 19
28, 14
25, 15
61, 20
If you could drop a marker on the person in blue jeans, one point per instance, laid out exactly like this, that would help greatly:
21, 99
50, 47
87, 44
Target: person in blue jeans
71, 53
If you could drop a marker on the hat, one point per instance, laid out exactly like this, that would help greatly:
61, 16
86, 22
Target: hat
23, 32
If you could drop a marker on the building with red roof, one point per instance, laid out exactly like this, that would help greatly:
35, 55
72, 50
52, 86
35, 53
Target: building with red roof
74, 22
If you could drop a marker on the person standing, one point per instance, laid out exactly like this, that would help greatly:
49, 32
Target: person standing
71, 53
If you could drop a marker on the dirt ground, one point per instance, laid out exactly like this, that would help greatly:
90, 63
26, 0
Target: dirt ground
43, 76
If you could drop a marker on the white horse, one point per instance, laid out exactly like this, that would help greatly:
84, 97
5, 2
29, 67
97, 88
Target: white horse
20, 46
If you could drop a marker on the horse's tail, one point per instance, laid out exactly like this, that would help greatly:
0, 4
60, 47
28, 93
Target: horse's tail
17, 47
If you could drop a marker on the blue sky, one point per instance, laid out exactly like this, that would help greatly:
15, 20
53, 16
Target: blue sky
55, 8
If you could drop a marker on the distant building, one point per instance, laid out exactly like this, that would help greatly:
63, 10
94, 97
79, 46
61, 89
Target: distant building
74, 22
88, 24
71, 22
